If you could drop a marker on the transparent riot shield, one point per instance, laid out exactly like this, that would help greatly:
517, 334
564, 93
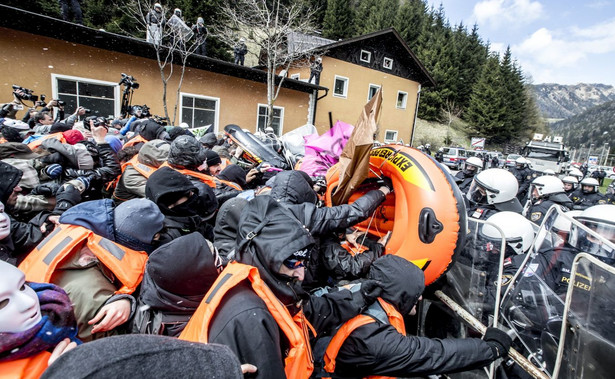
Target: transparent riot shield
534, 302
472, 279
587, 343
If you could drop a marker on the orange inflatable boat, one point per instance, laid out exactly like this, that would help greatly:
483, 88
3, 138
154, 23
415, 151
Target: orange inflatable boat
425, 213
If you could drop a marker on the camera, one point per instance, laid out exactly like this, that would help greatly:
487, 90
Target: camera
98, 121
61, 103
27, 95
87, 111
129, 81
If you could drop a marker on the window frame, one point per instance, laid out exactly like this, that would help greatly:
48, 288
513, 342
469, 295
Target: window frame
203, 97
369, 89
116, 89
405, 102
347, 81
391, 140
274, 108
369, 56
384, 63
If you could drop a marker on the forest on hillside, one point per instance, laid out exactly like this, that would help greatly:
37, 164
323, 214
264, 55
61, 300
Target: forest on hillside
594, 126
487, 90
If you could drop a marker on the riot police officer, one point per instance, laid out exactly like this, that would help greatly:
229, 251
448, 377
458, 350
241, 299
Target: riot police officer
491, 191
464, 177
546, 191
570, 184
589, 194
524, 175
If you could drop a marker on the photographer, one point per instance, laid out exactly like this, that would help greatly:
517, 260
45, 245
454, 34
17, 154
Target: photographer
43, 119
10, 109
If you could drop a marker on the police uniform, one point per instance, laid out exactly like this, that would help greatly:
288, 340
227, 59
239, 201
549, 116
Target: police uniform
539, 209
524, 177
463, 181
587, 200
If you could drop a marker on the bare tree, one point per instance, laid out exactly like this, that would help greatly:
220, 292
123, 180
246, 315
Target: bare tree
173, 46
450, 112
268, 24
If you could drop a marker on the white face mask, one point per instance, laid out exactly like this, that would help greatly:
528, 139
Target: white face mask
5, 223
19, 306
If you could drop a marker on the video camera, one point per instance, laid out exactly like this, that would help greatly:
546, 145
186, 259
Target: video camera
129, 81
27, 95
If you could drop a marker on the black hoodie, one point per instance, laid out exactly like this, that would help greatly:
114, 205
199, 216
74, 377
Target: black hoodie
9, 178
165, 186
378, 349
225, 231
292, 189
191, 258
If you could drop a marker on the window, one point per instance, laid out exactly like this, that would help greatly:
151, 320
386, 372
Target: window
390, 136
102, 98
402, 99
366, 56
198, 111
277, 122
340, 86
373, 88
388, 63
296, 76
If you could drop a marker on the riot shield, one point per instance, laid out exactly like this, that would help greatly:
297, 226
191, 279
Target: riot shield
472, 279
587, 344
533, 305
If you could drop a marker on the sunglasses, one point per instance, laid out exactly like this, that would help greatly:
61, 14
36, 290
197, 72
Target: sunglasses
294, 263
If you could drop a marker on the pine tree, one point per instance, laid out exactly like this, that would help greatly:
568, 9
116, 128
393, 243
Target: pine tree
485, 112
409, 21
339, 20
374, 15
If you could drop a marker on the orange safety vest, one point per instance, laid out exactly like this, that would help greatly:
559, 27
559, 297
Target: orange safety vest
126, 264
228, 183
207, 179
141, 168
135, 140
298, 363
395, 319
39, 141
26, 368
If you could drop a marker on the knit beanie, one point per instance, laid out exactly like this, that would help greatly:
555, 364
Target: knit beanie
235, 174
114, 142
187, 152
73, 136
209, 140
59, 127
212, 158
136, 222
142, 356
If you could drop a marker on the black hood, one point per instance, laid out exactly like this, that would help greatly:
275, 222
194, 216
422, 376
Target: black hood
189, 258
293, 187
235, 174
165, 183
279, 237
227, 222
402, 281
9, 178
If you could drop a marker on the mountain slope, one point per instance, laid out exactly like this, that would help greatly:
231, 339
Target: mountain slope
596, 125
563, 101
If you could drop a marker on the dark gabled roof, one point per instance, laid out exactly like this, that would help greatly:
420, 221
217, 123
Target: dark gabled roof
29, 22
391, 37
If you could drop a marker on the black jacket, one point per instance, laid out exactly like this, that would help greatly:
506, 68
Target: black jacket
242, 321
292, 190
165, 298
225, 231
539, 209
378, 349
463, 181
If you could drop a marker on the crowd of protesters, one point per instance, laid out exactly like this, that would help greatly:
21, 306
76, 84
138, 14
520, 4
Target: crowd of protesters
131, 223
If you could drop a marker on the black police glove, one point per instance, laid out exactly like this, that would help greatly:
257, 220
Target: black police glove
371, 290
48, 189
66, 197
498, 341
387, 182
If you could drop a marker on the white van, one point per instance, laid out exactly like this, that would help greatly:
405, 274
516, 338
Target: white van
454, 157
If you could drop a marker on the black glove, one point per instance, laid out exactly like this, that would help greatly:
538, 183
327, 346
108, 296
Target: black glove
498, 341
48, 189
66, 197
371, 290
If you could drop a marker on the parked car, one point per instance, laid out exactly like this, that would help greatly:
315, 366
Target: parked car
454, 157
510, 159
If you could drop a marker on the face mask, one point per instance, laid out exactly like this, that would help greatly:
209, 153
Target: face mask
5, 223
19, 306
187, 208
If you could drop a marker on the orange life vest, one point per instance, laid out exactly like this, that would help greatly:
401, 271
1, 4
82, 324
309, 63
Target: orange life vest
228, 183
207, 179
126, 264
298, 363
39, 141
395, 319
26, 368
133, 141
141, 168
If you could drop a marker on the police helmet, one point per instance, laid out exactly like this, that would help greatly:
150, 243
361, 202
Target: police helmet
521, 162
473, 164
576, 173
549, 172
546, 185
589, 182
493, 186
518, 231
600, 219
